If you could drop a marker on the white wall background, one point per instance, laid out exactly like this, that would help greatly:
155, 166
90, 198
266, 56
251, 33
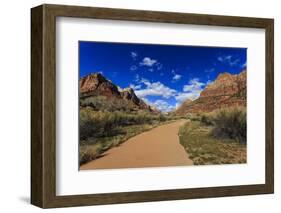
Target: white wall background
15, 105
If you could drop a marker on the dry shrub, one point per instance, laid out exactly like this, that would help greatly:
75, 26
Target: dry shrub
231, 123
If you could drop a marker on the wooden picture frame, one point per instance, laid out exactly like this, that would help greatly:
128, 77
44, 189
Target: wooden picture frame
43, 105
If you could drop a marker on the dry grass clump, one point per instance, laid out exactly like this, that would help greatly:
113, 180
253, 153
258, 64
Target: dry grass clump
227, 123
217, 137
204, 149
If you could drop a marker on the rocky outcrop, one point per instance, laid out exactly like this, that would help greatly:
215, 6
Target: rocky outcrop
226, 85
129, 94
97, 85
226, 91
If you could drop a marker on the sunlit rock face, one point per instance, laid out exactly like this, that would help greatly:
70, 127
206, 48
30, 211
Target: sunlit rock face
226, 91
96, 84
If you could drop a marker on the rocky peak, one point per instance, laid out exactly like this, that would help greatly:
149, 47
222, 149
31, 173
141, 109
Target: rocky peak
188, 101
128, 90
226, 84
129, 94
227, 90
97, 83
223, 76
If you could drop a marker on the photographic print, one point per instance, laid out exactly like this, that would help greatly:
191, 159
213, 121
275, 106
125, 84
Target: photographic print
156, 105
172, 105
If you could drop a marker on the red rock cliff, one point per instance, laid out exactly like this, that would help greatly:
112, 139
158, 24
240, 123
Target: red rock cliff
226, 91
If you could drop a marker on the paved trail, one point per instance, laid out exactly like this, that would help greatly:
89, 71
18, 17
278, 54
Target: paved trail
157, 147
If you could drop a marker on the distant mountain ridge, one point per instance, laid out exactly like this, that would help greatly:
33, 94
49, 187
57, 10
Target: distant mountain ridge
226, 91
96, 84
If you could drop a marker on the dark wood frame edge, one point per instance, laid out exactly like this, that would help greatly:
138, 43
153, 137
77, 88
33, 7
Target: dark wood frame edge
43, 105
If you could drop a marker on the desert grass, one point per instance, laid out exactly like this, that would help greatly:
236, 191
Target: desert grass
216, 138
102, 130
228, 123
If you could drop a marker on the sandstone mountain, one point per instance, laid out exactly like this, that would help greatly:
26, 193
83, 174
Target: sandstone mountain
96, 85
227, 90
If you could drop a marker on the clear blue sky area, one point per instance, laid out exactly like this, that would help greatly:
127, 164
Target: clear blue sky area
162, 75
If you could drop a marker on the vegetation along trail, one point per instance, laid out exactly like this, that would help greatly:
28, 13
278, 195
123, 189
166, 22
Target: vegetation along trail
157, 147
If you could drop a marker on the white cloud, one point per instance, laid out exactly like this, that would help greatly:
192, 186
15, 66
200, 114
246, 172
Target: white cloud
182, 96
147, 101
163, 106
177, 77
146, 88
135, 87
148, 62
137, 78
229, 59
193, 85
133, 68
191, 90
155, 89
134, 55
160, 104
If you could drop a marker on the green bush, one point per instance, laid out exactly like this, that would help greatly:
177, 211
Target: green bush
193, 117
231, 123
162, 118
107, 104
207, 119
103, 123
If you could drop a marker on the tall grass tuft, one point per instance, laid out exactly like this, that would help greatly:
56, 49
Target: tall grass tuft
207, 119
231, 123
103, 123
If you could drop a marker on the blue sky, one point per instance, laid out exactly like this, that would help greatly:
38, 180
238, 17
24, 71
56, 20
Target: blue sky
162, 75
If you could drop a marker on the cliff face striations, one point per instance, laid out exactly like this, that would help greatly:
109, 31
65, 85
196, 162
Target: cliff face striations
226, 91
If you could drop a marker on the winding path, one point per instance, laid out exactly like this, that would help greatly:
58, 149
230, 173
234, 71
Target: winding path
155, 148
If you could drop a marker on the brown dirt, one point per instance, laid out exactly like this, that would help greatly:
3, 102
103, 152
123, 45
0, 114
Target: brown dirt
155, 148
